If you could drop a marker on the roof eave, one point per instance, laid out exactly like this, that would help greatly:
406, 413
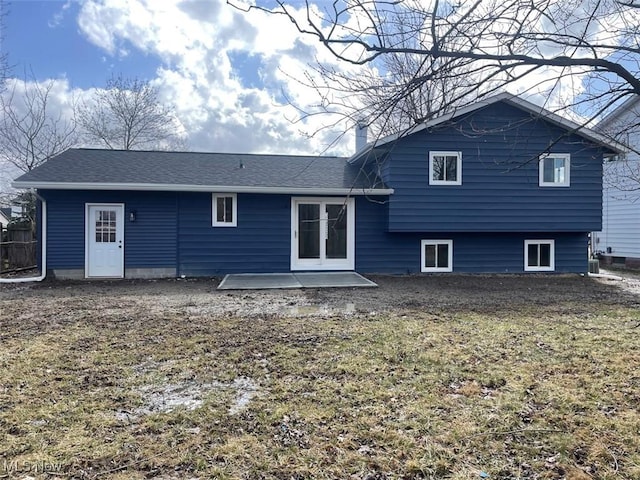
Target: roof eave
627, 105
155, 187
602, 140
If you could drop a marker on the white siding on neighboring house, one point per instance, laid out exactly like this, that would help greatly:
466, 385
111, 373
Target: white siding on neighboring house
4, 220
620, 235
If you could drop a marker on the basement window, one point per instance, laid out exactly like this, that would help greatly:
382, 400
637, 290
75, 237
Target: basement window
437, 256
539, 256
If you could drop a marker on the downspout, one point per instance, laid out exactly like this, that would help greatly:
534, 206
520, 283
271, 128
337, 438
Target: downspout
44, 251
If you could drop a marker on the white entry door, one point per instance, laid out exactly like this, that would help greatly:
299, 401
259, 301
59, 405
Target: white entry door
322, 234
105, 240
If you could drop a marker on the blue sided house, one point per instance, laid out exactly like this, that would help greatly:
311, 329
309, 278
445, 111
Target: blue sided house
501, 186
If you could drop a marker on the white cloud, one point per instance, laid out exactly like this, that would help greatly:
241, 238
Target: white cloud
59, 17
194, 40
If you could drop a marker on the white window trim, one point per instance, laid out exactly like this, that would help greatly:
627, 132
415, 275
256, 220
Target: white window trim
214, 210
552, 253
424, 269
458, 180
567, 176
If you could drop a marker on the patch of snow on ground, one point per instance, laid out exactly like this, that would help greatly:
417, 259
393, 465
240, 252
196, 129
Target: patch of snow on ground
164, 398
245, 389
625, 280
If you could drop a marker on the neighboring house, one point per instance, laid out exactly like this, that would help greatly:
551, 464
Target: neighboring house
619, 240
500, 186
5, 216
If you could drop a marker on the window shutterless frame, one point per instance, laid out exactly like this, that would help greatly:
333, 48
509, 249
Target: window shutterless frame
539, 256
554, 170
445, 168
436, 256
224, 210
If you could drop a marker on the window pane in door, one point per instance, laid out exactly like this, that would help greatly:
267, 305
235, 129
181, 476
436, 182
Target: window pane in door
309, 230
336, 231
105, 226
443, 255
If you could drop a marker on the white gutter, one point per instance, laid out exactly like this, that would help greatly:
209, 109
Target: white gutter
168, 187
44, 252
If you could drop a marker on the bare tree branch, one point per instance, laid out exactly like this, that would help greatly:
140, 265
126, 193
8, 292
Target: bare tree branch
30, 133
597, 42
128, 115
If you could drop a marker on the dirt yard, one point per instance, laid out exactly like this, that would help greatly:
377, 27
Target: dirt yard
448, 376
428, 293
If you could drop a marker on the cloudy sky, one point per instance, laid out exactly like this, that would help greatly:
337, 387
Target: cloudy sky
230, 75
233, 77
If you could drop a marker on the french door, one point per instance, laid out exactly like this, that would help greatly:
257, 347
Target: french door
322, 234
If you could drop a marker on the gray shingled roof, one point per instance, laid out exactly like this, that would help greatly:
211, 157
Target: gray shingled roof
148, 168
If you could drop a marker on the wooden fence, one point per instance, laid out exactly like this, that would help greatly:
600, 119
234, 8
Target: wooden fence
17, 248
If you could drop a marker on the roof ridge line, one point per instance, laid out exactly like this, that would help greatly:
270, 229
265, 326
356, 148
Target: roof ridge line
113, 150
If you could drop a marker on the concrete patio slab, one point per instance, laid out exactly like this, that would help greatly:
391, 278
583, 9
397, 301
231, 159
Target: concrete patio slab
333, 279
262, 281
259, 281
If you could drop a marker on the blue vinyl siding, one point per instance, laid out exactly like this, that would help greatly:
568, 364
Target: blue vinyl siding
500, 148
260, 243
149, 242
498, 206
174, 230
380, 251
65, 229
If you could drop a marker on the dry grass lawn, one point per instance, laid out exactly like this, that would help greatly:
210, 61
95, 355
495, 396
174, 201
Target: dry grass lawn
106, 381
